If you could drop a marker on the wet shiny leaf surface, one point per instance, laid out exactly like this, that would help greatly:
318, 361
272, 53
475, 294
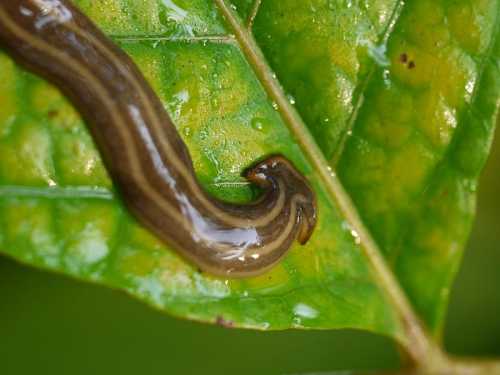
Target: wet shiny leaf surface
400, 99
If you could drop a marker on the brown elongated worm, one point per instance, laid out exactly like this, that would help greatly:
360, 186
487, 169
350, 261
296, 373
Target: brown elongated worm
143, 153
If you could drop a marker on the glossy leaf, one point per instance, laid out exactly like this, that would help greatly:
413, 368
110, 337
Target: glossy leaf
402, 99
408, 136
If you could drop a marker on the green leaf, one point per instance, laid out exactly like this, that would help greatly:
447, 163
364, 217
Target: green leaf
402, 99
399, 99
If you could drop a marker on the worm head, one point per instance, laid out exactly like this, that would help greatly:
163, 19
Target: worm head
277, 172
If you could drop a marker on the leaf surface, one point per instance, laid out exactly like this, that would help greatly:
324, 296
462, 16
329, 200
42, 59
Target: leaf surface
408, 145
402, 99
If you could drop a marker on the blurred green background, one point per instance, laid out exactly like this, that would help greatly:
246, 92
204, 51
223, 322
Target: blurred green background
54, 325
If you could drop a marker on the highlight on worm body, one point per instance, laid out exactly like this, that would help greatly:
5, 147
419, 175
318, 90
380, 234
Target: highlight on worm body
145, 156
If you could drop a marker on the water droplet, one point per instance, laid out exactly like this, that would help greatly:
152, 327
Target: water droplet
187, 131
469, 87
305, 311
259, 124
386, 75
233, 7
275, 106
355, 235
347, 227
331, 172
291, 99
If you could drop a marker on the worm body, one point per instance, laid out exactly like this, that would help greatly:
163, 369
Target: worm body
143, 153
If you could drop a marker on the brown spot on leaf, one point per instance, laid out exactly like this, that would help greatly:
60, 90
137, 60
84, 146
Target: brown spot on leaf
403, 58
411, 65
52, 113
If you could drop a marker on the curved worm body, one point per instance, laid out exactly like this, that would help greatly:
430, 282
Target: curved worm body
145, 156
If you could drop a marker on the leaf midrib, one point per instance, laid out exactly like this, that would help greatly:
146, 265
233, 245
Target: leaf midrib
418, 345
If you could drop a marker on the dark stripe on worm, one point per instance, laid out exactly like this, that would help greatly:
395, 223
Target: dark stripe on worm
145, 156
